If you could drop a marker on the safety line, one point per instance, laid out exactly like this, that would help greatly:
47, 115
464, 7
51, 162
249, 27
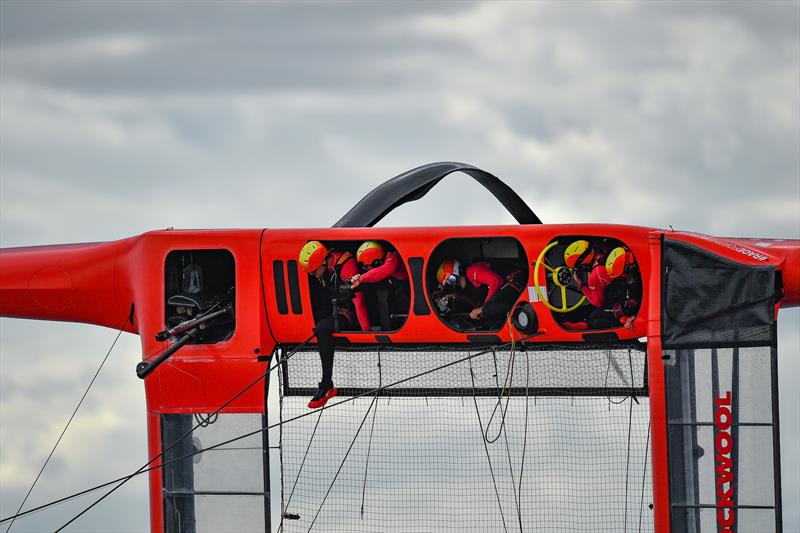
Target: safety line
486, 448
524, 438
299, 471
273, 426
644, 474
628, 454
74, 412
371, 430
220, 408
344, 459
504, 430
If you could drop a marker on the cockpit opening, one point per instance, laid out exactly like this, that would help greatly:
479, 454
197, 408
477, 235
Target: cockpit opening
474, 282
363, 281
589, 282
196, 284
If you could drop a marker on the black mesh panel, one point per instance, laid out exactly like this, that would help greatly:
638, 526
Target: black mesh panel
709, 300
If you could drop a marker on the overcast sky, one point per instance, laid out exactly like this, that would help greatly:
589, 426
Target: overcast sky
117, 118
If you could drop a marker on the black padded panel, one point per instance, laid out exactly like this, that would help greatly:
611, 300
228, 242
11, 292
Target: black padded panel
415, 265
416, 183
280, 287
483, 339
294, 287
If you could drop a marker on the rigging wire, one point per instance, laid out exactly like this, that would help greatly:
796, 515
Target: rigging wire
628, 462
486, 448
282, 381
507, 385
341, 465
525, 431
74, 412
644, 475
504, 429
507, 389
512, 359
371, 430
299, 471
87, 491
261, 430
206, 421
605, 383
628, 454
179, 439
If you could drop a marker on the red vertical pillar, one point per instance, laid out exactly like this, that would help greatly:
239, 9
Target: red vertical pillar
658, 403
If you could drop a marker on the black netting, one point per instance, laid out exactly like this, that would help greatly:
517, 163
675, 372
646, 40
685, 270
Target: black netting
564, 448
709, 300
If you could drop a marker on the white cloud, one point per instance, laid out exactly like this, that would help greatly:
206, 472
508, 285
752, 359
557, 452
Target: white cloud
75, 52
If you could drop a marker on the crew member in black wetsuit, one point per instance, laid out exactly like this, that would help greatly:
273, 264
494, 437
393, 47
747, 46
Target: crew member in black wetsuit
330, 268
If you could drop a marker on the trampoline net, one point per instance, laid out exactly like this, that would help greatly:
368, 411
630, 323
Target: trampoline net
552, 439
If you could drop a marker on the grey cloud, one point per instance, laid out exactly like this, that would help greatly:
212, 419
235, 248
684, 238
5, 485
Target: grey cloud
54, 21
211, 48
116, 119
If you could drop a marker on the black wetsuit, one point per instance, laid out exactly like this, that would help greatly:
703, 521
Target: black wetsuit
326, 325
497, 307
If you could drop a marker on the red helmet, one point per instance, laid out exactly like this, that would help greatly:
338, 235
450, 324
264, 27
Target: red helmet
617, 260
448, 272
312, 255
579, 253
370, 253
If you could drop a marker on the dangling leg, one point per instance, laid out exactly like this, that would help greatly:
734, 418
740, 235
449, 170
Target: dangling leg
326, 391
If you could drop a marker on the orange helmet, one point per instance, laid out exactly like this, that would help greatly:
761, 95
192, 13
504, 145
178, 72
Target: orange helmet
579, 253
312, 255
370, 253
617, 260
448, 272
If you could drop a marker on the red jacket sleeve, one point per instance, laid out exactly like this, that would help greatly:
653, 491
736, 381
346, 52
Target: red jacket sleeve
386, 270
595, 289
349, 269
480, 274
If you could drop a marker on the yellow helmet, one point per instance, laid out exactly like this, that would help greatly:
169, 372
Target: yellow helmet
370, 253
617, 260
579, 253
312, 255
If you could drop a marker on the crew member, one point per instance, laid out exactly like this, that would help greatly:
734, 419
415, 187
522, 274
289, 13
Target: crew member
380, 265
501, 292
625, 291
613, 286
581, 256
330, 268
387, 279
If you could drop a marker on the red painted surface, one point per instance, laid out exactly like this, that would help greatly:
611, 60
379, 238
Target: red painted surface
658, 399
420, 242
97, 283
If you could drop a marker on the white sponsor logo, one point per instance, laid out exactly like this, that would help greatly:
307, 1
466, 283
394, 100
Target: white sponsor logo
535, 295
742, 250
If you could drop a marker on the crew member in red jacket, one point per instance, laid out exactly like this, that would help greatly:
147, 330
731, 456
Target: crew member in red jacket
613, 287
501, 292
330, 268
380, 265
387, 278
580, 255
